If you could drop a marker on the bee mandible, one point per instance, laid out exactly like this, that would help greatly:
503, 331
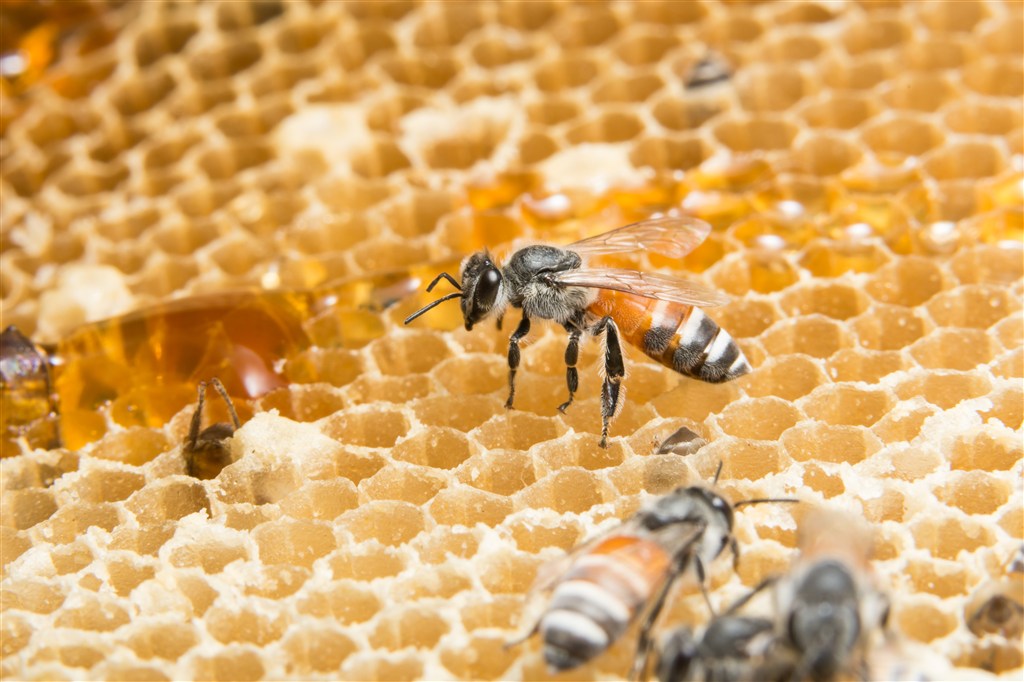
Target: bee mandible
657, 313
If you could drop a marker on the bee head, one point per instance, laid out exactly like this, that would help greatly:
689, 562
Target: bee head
481, 281
685, 505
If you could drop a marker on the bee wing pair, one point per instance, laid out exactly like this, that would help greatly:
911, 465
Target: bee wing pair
670, 236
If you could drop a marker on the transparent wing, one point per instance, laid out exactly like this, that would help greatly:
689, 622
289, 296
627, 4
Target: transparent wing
670, 236
645, 284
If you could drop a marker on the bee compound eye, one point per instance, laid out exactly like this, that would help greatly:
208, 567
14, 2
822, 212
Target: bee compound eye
487, 289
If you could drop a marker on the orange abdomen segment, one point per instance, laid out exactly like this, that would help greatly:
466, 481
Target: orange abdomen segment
678, 336
625, 566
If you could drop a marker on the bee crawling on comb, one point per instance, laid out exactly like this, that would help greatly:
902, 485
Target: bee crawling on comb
657, 313
205, 450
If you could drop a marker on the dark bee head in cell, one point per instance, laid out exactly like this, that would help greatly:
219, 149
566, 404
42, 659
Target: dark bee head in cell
481, 281
205, 450
824, 623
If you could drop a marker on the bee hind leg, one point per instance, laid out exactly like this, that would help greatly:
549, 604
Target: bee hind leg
572, 376
192, 440
513, 357
614, 371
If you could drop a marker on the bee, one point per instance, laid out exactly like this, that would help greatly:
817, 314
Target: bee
657, 313
828, 605
731, 648
997, 608
205, 450
29, 408
607, 583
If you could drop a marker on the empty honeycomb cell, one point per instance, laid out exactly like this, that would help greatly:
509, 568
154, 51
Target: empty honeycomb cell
244, 625
662, 153
125, 574
985, 451
578, 450
410, 483
463, 505
794, 47
571, 71
79, 180
905, 134
334, 366
755, 133
126, 672
320, 500
586, 27
380, 159
167, 37
825, 153
294, 542
316, 649
93, 613
367, 562
411, 353
819, 479
70, 521
229, 665
413, 626
447, 25
211, 554
277, 581
381, 429
71, 557
837, 300
171, 499
815, 441
500, 471
985, 118
961, 349
1009, 365
995, 77
463, 413
974, 492
841, 110
966, 160
440, 448
300, 35
748, 459
923, 621
944, 388
636, 87
977, 306
25, 508
787, 377
484, 657
517, 430
639, 44
401, 668
342, 600
552, 110
391, 522
947, 536
566, 490
848, 404
772, 88
435, 548
35, 596
887, 504
532, 537
814, 335
164, 640
758, 419
132, 97
889, 327
609, 126
141, 541
17, 632
988, 265
223, 162
904, 423
432, 70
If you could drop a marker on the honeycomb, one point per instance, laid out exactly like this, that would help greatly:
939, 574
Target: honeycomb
862, 168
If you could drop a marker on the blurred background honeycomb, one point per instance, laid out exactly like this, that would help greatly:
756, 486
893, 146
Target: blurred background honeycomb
862, 169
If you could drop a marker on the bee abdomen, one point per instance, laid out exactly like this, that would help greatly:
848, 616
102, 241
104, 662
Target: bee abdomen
586, 615
701, 349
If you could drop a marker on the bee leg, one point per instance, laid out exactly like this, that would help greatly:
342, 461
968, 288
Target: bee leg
572, 377
513, 357
614, 371
698, 567
644, 641
227, 401
192, 440
734, 547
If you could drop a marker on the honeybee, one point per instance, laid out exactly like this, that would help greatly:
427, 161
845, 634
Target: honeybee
28, 409
656, 313
608, 582
205, 450
682, 442
998, 606
828, 605
730, 649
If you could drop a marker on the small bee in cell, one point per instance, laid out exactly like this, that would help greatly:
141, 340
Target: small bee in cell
732, 648
830, 611
625, 574
657, 313
205, 450
997, 607
682, 442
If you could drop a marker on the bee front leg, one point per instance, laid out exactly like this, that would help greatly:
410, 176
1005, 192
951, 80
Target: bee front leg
572, 376
191, 445
614, 371
513, 357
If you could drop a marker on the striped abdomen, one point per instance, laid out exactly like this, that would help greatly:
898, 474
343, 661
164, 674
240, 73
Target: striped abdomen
597, 598
678, 336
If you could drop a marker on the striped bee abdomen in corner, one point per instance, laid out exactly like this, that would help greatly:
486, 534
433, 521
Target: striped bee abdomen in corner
678, 336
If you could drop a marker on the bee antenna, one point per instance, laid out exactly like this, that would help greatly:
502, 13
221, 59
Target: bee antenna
443, 275
718, 472
761, 500
432, 305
